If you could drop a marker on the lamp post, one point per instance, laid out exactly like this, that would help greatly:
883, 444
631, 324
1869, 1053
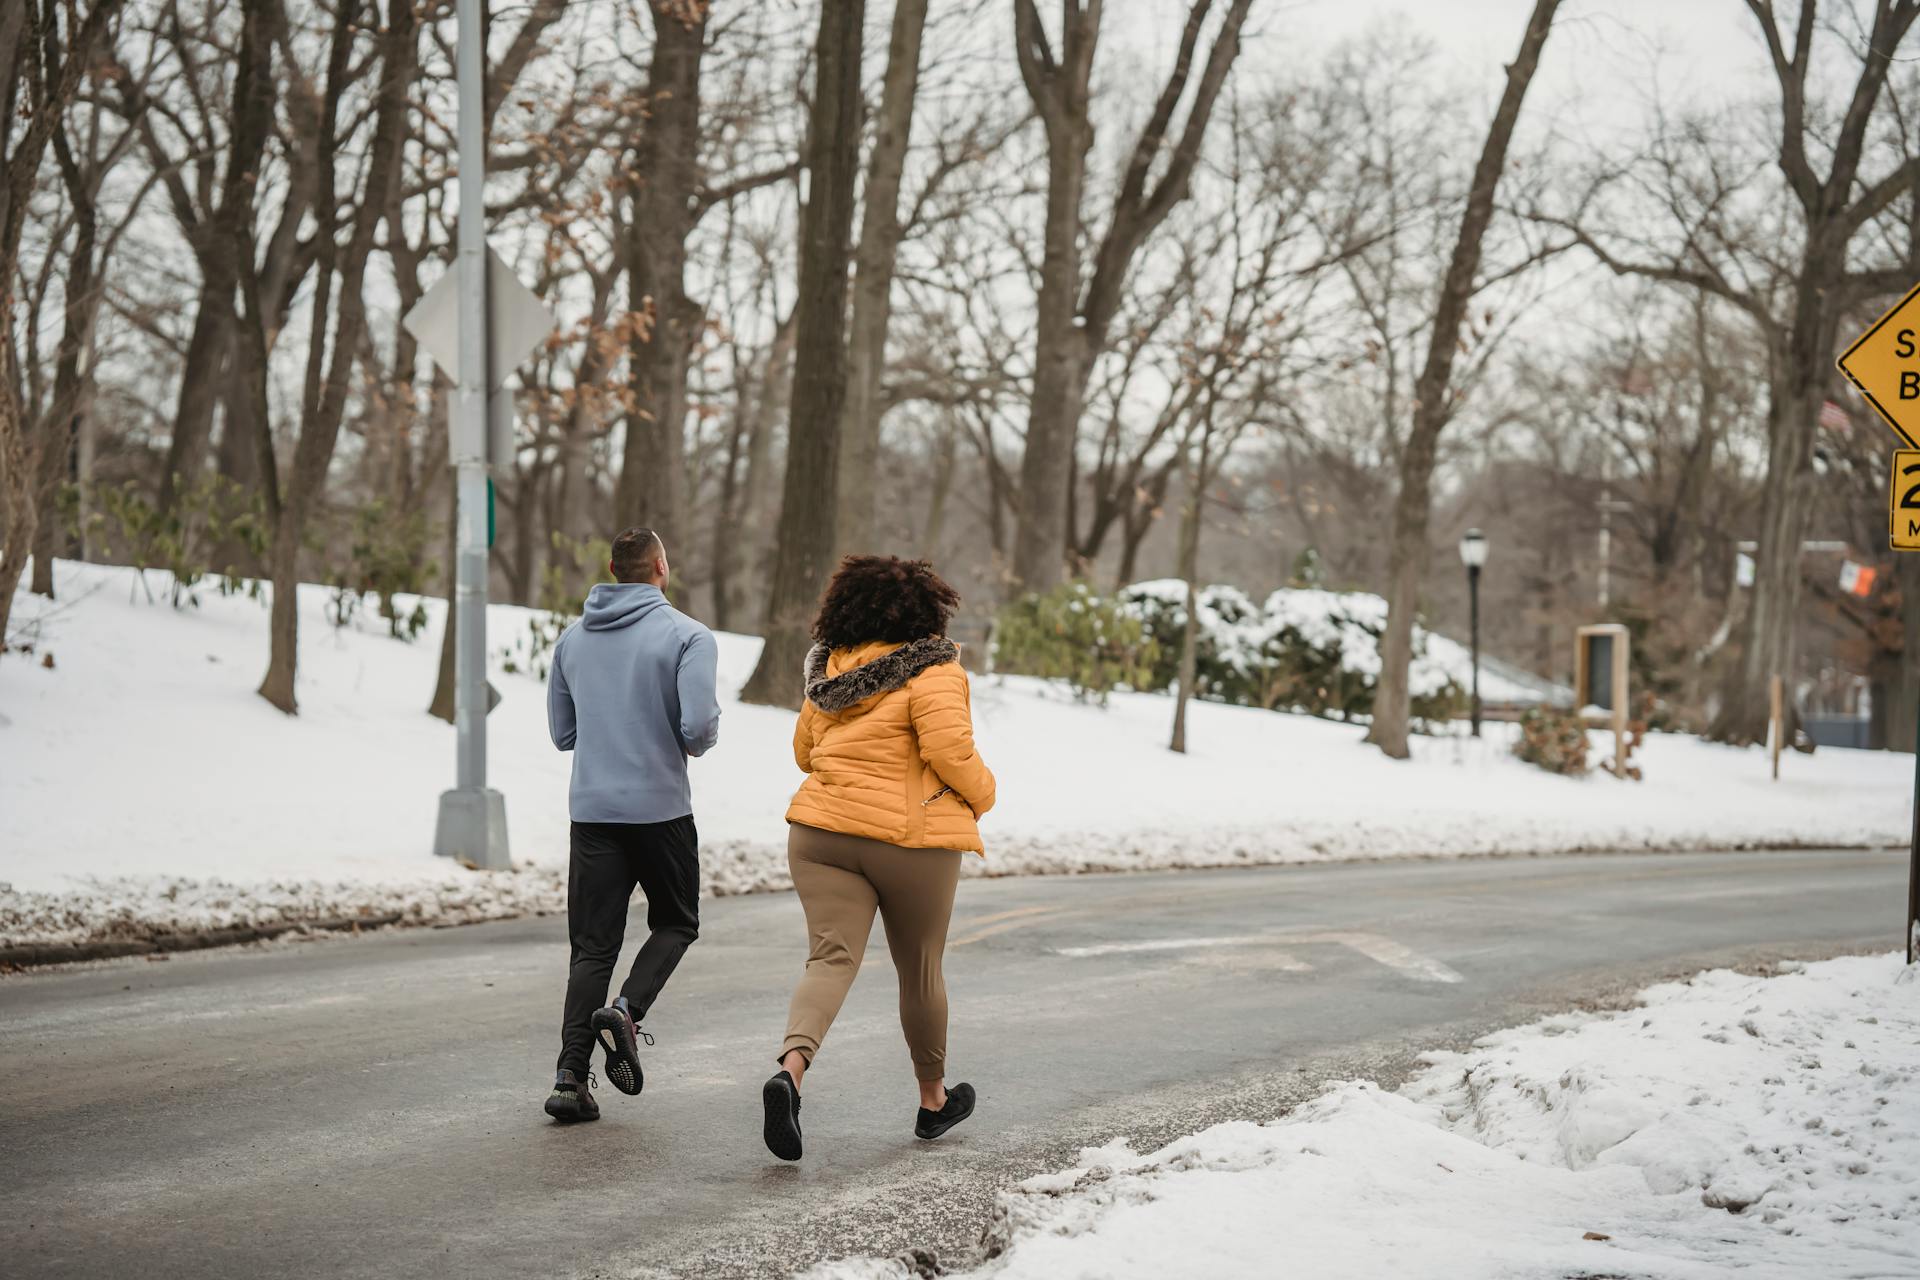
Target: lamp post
1473, 554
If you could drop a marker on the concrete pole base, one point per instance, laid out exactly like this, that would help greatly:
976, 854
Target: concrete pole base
472, 828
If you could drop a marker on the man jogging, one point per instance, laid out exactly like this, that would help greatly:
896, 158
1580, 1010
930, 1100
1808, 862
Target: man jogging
631, 694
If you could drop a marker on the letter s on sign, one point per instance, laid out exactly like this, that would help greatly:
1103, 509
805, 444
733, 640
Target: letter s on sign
1903, 344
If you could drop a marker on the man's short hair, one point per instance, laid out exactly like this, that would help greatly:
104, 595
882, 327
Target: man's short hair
634, 552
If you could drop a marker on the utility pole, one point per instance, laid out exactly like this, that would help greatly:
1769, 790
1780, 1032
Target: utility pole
473, 817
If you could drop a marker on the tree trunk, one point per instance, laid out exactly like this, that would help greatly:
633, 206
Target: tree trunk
1074, 316
1786, 498
880, 232
442, 703
667, 160
16, 467
744, 489
943, 467
325, 405
1433, 402
1196, 482
804, 547
60, 433
1059, 371
200, 380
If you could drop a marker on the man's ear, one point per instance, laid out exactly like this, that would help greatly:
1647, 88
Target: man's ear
611, 572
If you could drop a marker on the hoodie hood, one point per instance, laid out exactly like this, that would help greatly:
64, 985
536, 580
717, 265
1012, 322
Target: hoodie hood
612, 605
886, 670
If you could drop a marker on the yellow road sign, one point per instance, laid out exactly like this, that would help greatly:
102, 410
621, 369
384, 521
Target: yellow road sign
1885, 365
1903, 501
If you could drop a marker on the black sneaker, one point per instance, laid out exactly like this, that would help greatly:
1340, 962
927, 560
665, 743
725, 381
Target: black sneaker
782, 1129
931, 1124
571, 1099
621, 1037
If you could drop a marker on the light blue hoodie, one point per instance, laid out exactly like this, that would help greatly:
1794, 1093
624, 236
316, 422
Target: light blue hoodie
631, 695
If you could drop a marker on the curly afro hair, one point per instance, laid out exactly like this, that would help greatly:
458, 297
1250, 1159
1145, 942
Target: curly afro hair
883, 598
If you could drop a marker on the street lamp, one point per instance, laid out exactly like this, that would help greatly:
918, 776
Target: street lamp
1473, 554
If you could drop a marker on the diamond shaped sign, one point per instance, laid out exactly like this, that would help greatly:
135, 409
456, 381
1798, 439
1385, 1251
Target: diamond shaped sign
1885, 365
517, 321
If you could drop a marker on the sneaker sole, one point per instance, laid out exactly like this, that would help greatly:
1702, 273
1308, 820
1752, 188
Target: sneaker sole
569, 1112
781, 1133
623, 1061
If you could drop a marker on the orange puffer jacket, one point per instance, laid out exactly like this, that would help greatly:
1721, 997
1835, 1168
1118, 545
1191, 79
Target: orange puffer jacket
886, 741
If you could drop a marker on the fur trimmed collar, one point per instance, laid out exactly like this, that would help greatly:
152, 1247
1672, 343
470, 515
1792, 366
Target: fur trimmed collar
885, 673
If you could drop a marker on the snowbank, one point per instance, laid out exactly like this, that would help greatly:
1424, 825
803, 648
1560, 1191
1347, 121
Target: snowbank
1766, 1127
144, 786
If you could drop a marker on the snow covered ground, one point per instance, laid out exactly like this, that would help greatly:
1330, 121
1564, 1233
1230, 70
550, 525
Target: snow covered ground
1730, 1125
144, 786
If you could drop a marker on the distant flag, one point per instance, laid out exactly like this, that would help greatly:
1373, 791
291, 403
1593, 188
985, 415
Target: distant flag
1834, 418
1857, 579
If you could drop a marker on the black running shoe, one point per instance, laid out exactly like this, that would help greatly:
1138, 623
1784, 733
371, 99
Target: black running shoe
782, 1129
931, 1124
571, 1099
621, 1037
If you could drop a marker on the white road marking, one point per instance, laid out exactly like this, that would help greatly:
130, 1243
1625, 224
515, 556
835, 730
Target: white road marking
1163, 944
1007, 922
1394, 955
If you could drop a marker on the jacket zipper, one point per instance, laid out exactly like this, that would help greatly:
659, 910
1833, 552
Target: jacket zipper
935, 796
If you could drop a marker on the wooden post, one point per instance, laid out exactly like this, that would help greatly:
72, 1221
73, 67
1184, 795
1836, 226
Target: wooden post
1776, 719
1617, 672
1620, 678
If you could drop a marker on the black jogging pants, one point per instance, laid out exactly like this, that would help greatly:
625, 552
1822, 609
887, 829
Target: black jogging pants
608, 859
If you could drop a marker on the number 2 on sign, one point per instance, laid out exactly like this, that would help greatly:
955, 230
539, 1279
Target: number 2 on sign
1903, 501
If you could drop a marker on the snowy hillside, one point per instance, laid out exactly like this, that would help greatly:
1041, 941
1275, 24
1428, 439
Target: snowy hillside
1729, 1125
146, 713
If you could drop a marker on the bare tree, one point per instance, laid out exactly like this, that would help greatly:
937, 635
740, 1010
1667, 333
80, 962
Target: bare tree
1796, 303
1433, 400
329, 364
880, 230
86, 156
670, 198
1075, 311
45, 66
805, 541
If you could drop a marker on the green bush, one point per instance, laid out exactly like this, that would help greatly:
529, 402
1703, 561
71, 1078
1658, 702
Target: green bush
1553, 738
1303, 650
386, 557
1073, 634
1225, 664
212, 517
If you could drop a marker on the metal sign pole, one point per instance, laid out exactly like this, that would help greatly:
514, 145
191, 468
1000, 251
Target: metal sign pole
472, 824
1913, 857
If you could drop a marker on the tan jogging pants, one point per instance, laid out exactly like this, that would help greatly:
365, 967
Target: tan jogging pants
841, 881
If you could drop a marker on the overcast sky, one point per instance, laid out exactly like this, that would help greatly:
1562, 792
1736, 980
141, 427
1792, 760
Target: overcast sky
1606, 57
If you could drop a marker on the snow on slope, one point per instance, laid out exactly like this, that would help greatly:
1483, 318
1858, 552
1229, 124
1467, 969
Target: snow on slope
1730, 1125
143, 784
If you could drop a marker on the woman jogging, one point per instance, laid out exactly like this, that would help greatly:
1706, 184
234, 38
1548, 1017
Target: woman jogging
893, 792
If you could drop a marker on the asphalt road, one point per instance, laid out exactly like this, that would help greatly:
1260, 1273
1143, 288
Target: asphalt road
371, 1106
